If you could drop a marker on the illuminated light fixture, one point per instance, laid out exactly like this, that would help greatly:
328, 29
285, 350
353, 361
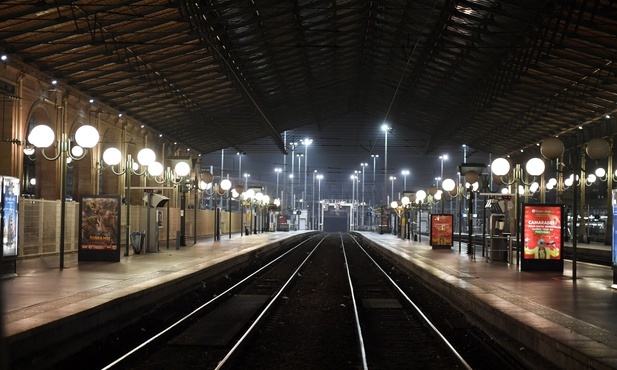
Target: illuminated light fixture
182, 169
28, 150
146, 156
155, 169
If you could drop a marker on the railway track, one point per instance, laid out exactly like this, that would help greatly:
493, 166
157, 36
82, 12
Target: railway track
324, 303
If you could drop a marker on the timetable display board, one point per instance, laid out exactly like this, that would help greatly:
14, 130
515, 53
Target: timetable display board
99, 226
543, 236
442, 230
9, 203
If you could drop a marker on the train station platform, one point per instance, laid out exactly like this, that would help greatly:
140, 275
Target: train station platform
569, 321
572, 322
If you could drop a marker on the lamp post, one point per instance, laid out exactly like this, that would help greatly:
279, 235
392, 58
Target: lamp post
392, 178
364, 165
306, 143
385, 129
374, 156
404, 173
420, 197
86, 137
313, 202
353, 199
319, 177
301, 199
278, 172
441, 159
501, 168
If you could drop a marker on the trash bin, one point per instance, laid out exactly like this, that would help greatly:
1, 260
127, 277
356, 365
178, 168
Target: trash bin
137, 240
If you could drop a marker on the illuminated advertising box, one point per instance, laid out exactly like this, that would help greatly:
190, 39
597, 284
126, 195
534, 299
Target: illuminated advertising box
99, 226
442, 233
9, 204
543, 235
614, 246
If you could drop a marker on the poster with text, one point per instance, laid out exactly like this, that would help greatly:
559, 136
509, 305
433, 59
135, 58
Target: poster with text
442, 233
99, 238
10, 220
543, 231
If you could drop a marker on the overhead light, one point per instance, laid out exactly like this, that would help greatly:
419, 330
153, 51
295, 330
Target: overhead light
54, 82
91, 101
4, 57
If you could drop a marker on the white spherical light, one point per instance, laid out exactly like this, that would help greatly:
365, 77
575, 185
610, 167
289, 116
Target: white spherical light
146, 156
225, 184
535, 167
600, 172
448, 185
87, 136
500, 167
112, 156
41, 136
420, 195
182, 169
155, 169
77, 151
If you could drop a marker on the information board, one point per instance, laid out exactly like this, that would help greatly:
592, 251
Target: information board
543, 236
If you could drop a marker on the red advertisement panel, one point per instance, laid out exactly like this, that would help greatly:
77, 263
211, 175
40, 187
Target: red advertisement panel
442, 230
542, 232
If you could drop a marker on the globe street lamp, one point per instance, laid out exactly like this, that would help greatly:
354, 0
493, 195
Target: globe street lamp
86, 137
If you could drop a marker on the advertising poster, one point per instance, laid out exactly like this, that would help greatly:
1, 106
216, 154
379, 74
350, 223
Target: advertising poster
614, 247
442, 233
543, 231
99, 226
10, 219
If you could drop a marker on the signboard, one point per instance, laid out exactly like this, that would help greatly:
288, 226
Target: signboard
543, 236
442, 234
9, 201
99, 226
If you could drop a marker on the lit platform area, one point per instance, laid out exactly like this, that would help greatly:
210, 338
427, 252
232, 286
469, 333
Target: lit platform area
571, 322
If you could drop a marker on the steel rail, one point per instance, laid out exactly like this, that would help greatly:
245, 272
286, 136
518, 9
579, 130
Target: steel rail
355, 309
418, 310
265, 310
198, 309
